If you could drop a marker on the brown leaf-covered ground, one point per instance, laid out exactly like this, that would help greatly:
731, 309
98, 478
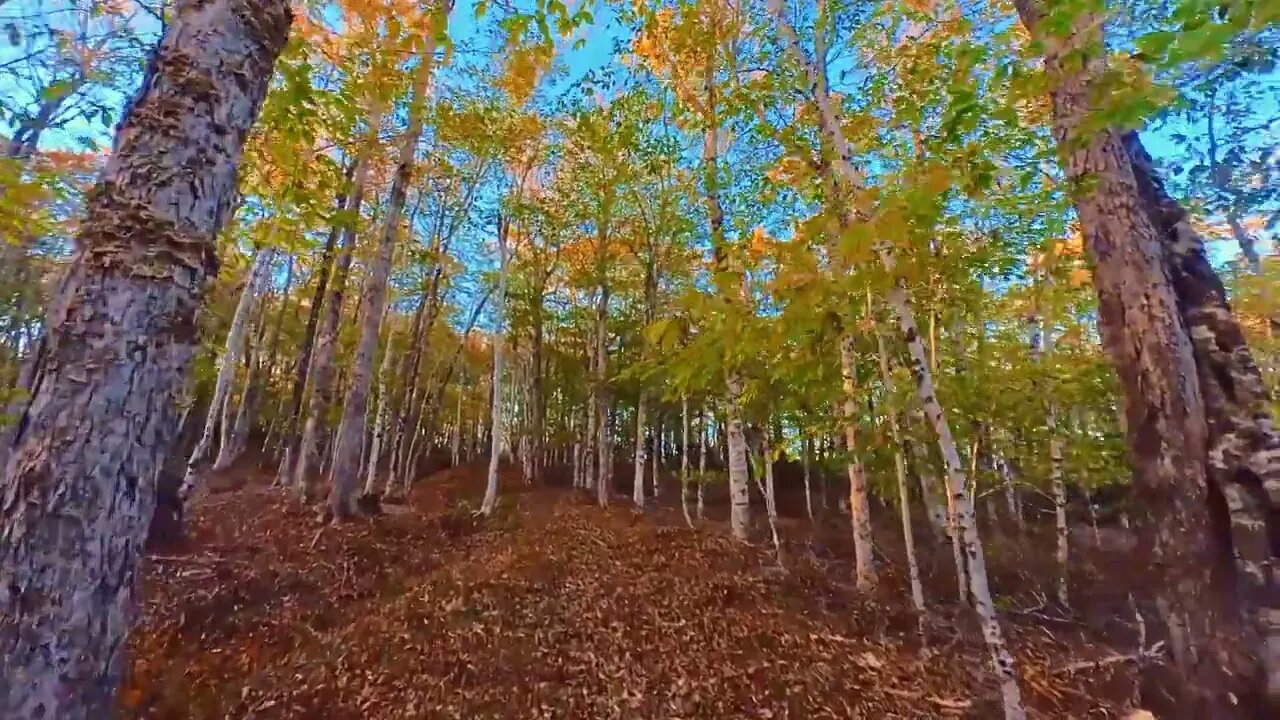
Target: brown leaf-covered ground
556, 608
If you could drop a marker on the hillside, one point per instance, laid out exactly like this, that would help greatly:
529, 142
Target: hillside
555, 608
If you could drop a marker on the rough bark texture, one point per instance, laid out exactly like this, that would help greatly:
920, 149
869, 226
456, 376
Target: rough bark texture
1150, 341
859, 504
79, 486
1244, 448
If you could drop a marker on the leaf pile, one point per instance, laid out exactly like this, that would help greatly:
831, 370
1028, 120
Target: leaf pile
553, 608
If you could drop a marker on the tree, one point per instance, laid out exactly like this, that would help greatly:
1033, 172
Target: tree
80, 482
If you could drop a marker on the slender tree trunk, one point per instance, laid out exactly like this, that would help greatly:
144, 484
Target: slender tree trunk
739, 497
309, 455
380, 417
806, 453
601, 397
904, 495
702, 459
859, 504
490, 502
637, 486
1041, 346
684, 458
1002, 660
764, 481
373, 298
255, 278
290, 439
72, 526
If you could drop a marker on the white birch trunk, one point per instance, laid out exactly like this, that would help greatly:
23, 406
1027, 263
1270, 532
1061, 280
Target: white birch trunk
739, 496
702, 460
80, 481
1041, 347
904, 494
1002, 660
684, 459
806, 460
637, 487
859, 504
255, 279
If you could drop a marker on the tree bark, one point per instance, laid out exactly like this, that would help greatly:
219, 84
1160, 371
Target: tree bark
373, 298
859, 504
255, 278
490, 502
309, 457
1186, 375
284, 475
72, 522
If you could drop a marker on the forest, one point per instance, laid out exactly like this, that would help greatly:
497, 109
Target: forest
647, 359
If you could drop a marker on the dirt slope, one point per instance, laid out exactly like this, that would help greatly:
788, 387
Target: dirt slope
552, 609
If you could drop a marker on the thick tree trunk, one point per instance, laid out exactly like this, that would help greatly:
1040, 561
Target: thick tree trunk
255, 279
859, 503
72, 525
1155, 294
1244, 448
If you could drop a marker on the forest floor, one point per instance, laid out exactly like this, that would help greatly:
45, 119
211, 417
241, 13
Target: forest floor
555, 608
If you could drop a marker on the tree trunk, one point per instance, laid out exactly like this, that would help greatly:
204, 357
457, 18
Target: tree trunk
904, 495
1244, 448
490, 502
1156, 293
72, 525
739, 496
637, 486
379, 415
859, 504
284, 475
1002, 660
373, 298
255, 278
601, 395
259, 376
702, 459
1041, 347
684, 458
322, 380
